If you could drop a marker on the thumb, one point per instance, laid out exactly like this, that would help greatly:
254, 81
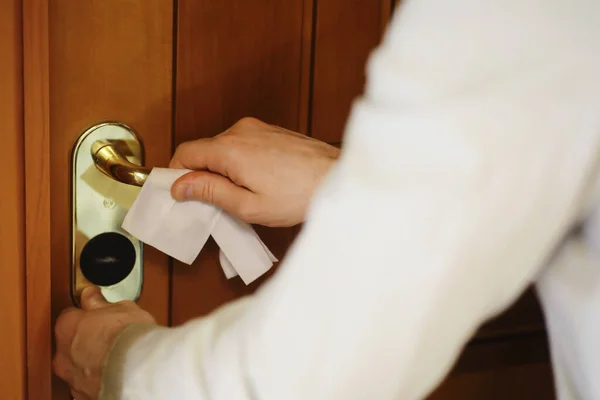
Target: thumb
92, 299
214, 189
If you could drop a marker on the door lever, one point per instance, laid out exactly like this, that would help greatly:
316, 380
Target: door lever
110, 158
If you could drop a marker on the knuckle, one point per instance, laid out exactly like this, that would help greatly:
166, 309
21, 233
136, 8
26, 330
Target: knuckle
59, 367
231, 145
62, 326
247, 121
182, 148
227, 139
245, 210
207, 192
176, 159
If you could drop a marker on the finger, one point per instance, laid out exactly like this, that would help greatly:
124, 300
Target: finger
68, 310
199, 154
61, 366
65, 326
215, 189
92, 299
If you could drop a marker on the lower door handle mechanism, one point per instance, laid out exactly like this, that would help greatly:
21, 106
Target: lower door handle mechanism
106, 175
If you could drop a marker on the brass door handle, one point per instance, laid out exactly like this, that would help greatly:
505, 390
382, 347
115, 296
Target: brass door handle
110, 157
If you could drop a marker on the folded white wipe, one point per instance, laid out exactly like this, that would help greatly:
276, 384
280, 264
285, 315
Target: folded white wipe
181, 229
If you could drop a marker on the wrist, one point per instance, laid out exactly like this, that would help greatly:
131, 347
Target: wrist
113, 370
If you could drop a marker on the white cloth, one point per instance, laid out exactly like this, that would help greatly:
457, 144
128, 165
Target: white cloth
181, 229
465, 166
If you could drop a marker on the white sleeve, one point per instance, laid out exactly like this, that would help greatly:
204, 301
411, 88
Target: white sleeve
464, 164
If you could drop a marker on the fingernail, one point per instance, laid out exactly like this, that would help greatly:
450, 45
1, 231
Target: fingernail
182, 192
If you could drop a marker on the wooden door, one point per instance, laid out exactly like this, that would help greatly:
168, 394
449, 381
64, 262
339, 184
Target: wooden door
12, 225
177, 70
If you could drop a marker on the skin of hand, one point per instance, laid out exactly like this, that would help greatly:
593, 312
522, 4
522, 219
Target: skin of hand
260, 173
85, 336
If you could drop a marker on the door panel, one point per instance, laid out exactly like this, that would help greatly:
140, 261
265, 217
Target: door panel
237, 59
345, 34
234, 59
37, 198
109, 60
12, 228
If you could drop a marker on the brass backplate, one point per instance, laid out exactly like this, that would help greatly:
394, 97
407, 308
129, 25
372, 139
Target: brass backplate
99, 205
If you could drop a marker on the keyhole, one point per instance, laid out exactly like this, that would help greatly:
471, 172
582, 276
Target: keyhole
107, 259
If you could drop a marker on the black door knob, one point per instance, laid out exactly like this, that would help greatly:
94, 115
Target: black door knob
107, 259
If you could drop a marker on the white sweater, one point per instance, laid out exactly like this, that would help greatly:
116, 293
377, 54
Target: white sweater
466, 165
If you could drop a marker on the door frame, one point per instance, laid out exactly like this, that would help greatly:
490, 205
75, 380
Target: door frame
36, 110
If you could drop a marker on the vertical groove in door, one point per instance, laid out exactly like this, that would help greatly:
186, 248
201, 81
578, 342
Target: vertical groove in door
309, 17
173, 130
346, 33
386, 11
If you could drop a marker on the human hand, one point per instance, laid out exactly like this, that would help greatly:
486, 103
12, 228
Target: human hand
260, 173
85, 336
